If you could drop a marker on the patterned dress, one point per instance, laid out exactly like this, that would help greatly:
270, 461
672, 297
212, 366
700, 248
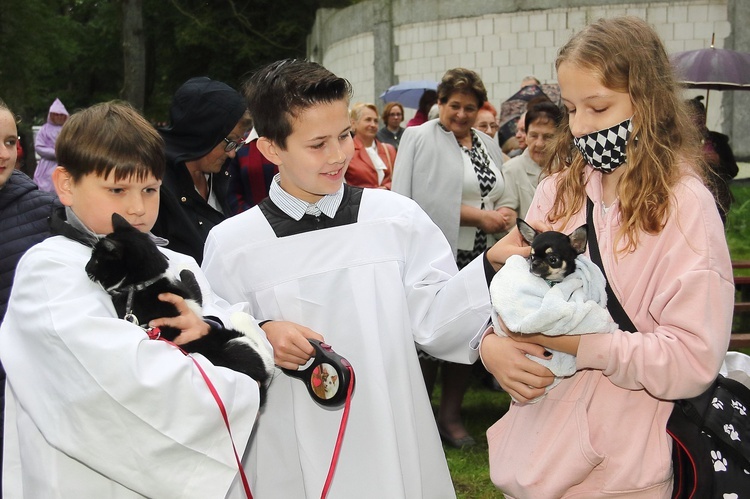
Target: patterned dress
487, 179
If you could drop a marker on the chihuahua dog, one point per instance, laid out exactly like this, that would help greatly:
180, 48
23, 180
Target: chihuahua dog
553, 254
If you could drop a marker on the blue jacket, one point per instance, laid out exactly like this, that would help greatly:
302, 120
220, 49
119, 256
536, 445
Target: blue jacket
24, 214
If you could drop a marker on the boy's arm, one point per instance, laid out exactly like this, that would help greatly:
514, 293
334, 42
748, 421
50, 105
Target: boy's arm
119, 399
448, 309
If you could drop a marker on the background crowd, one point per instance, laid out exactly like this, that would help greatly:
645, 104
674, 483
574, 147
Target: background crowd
473, 171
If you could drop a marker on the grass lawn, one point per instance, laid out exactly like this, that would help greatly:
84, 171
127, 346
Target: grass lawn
738, 222
738, 238
469, 468
482, 407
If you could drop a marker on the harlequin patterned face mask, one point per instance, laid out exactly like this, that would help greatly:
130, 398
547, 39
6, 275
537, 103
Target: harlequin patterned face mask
605, 149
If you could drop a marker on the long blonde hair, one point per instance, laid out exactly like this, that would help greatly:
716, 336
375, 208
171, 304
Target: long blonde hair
626, 54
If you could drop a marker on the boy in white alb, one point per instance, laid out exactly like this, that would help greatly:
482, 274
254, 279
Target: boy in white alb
94, 408
369, 273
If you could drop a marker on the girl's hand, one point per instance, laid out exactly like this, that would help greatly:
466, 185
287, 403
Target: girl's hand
289, 341
567, 344
191, 325
520, 376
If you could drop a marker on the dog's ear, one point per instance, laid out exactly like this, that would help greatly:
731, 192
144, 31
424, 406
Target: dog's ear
527, 231
578, 239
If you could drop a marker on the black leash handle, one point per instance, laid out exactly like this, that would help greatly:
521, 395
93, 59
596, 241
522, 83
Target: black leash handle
613, 304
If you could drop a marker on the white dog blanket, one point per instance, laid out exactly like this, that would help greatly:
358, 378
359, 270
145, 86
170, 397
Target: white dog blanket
527, 304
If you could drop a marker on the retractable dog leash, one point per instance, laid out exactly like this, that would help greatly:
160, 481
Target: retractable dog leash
329, 390
323, 363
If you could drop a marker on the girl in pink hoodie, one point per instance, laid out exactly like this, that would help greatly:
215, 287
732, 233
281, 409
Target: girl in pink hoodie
628, 144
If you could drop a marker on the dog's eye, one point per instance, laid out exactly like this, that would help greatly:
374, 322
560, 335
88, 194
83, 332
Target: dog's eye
553, 260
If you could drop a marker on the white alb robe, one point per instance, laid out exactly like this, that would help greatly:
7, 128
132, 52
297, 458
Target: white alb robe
94, 409
372, 289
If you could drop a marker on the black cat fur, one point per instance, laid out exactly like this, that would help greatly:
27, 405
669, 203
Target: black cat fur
128, 258
553, 254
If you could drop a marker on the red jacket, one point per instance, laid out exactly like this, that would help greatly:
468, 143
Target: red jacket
361, 171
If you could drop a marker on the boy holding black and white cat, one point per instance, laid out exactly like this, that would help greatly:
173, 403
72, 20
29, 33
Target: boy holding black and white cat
94, 408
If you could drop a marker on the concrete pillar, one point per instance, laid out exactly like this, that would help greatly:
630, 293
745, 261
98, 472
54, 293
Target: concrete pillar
736, 103
384, 49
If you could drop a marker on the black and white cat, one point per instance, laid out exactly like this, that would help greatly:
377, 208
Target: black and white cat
130, 267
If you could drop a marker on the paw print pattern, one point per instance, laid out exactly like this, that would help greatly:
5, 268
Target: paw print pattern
730, 496
739, 408
729, 430
720, 463
717, 403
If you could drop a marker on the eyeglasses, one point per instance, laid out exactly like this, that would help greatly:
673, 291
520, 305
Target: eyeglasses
234, 144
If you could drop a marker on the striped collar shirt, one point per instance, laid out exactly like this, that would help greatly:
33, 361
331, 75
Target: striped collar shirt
296, 208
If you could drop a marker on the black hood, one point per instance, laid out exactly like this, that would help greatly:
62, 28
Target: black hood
203, 113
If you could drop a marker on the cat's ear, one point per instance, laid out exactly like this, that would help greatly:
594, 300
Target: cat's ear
119, 222
527, 231
578, 239
63, 183
269, 149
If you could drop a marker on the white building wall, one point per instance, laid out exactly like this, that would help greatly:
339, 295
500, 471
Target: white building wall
503, 48
354, 59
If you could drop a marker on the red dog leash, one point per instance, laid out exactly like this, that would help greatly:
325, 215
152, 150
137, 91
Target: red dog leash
340, 437
155, 334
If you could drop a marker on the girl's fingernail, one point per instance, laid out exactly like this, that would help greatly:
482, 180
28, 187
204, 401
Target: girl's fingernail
547, 353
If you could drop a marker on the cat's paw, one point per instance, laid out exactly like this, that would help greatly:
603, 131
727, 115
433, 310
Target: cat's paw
245, 324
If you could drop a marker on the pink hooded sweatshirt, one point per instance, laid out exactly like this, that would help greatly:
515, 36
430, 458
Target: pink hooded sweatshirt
45, 148
602, 432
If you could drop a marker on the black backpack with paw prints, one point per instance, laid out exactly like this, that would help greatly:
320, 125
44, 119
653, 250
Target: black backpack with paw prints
711, 448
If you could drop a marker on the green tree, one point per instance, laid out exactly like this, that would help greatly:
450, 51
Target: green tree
73, 49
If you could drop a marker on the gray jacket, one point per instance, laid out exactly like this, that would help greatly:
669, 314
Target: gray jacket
429, 169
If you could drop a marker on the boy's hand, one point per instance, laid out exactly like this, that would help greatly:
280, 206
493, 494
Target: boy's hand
511, 244
520, 376
191, 325
289, 341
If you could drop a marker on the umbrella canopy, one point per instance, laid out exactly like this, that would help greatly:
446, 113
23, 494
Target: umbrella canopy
515, 105
713, 69
407, 93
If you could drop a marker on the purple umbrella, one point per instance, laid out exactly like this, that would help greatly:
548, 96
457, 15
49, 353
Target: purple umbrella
712, 69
